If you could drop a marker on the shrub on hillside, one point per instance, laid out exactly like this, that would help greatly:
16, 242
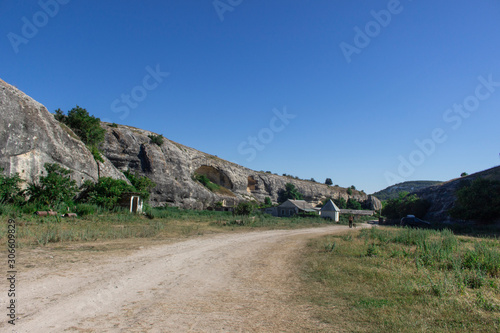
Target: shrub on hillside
353, 204
142, 184
290, 192
207, 183
477, 200
87, 127
157, 139
340, 203
405, 205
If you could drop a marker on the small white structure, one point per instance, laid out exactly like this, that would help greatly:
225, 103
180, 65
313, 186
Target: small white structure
330, 211
132, 201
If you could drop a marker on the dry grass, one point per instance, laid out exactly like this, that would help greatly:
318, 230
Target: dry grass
368, 281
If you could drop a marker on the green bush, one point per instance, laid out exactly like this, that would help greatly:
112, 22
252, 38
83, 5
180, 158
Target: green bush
158, 139
87, 127
353, 204
96, 153
405, 205
478, 200
55, 188
10, 190
340, 203
290, 192
142, 184
106, 192
243, 208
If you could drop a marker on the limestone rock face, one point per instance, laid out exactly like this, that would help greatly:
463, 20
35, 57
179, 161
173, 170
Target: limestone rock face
172, 167
31, 137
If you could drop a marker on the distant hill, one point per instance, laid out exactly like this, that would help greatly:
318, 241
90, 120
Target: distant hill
393, 191
442, 196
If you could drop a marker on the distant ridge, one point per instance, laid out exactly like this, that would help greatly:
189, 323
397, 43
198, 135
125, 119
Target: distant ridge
393, 191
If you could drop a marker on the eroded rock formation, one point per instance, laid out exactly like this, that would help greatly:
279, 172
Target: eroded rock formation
172, 167
31, 137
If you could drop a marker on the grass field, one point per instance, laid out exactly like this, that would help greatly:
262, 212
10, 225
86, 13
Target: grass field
404, 280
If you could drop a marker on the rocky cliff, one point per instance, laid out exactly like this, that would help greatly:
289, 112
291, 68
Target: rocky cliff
30, 137
172, 166
442, 197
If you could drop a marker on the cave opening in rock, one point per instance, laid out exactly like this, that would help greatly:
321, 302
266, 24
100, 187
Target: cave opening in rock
216, 176
252, 184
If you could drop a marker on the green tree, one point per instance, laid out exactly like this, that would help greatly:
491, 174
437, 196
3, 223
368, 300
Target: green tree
243, 208
290, 192
353, 204
55, 188
268, 202
328, 181
463, 174
10, 188
106, 192
87, 127
340, 203
477, 200
349, 191
404, 205
59, 115
142, 184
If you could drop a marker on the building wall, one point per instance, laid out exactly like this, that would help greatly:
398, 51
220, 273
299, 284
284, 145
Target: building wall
286, 211
335, 216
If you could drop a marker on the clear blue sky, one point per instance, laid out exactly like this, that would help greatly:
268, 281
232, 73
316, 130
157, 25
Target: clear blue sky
363, 80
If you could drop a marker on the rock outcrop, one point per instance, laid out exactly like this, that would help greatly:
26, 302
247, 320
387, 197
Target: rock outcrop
172, 167
31, 137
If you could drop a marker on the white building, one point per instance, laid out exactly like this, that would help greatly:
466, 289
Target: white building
330, 210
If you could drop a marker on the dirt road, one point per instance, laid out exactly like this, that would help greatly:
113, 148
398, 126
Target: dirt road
242, 282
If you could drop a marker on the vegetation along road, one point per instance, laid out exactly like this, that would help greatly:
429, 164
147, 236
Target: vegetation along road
237, 282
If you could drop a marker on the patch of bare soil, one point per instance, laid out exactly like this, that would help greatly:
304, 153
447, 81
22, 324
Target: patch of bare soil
242, 282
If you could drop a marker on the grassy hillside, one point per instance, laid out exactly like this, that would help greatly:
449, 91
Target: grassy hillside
392, 192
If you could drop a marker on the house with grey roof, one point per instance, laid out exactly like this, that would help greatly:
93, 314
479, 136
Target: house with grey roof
293, 207
330, 211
